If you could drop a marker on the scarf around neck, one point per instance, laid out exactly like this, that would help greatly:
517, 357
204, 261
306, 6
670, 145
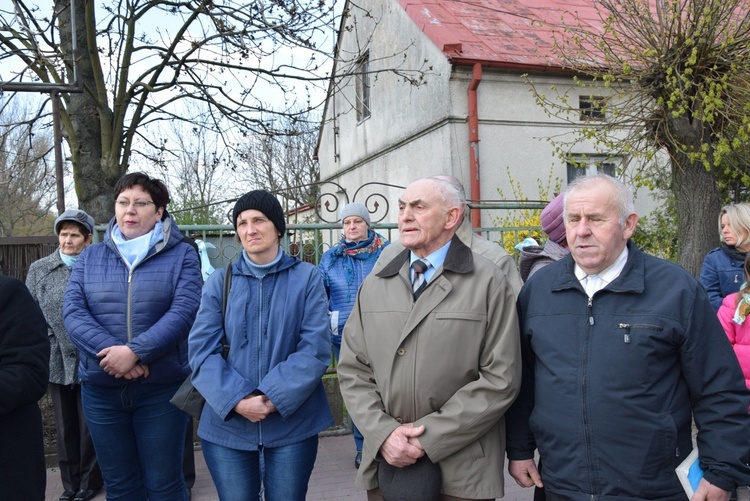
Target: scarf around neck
347, 251
136, 249
67, 260
733, 253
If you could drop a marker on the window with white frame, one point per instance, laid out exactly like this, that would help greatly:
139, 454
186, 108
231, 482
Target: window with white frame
363, 87
583, 165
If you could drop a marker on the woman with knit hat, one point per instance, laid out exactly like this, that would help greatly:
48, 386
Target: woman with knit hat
265, 401
344, 266
534, 258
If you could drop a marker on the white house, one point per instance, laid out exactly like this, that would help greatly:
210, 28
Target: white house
472, 116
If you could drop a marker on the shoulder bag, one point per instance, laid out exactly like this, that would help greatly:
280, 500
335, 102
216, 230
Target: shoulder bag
187, 398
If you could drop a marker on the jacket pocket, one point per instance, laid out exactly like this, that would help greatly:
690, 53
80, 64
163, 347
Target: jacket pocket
460, 315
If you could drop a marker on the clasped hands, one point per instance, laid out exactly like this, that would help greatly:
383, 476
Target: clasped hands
402, 447
255, 407
120, 361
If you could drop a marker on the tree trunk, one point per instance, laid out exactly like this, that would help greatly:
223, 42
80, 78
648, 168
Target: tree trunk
698, 204
83, 129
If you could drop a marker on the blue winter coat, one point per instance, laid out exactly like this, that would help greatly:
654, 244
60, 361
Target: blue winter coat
610, 385
342, 276
277, 330
150, 309
722, 273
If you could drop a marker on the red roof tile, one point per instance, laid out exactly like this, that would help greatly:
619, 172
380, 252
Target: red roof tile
513, 33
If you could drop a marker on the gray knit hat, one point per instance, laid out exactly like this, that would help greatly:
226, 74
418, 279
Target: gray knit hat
263, 201
355, 209
74, 216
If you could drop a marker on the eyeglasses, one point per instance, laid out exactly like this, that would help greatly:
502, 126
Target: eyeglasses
139, 204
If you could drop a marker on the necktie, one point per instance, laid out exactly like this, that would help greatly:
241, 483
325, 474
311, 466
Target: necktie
419, 282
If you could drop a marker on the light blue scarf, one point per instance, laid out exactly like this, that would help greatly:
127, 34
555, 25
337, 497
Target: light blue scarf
68, 261
136, 249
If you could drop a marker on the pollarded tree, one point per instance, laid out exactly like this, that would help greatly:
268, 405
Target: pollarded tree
669, 76
138, 61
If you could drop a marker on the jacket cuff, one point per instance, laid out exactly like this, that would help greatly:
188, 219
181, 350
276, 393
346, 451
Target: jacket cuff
519, 455
718, 481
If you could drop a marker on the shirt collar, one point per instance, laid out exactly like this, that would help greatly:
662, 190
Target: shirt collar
608, 274
436, 260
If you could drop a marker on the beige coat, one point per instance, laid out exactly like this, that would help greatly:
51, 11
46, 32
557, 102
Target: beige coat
450, 361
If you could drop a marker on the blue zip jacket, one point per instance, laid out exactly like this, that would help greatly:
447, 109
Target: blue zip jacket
610, 385
150, 309
277, 330
342, 276
722, 273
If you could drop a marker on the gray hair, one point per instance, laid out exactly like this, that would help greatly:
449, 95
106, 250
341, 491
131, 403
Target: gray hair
738, 218
623, 195
453, 191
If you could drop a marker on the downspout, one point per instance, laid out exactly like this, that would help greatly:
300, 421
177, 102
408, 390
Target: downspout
476, 219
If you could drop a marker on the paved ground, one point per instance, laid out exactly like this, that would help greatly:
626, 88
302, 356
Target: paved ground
332, 478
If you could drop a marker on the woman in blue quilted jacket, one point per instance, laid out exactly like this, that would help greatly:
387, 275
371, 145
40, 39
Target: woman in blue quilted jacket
344, 266
129, 306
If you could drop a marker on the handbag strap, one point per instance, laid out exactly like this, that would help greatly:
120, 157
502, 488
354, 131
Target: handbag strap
224, 299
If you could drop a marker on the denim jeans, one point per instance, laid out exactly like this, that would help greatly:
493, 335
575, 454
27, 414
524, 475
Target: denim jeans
285, 471
139, 439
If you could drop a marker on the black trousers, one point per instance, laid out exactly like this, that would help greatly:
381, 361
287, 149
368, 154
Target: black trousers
79, 469
188, 457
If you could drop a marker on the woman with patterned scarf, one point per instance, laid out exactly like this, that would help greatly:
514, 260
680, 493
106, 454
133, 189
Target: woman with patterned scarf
344, 267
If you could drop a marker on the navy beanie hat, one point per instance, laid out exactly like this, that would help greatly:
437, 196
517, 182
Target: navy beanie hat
263, 201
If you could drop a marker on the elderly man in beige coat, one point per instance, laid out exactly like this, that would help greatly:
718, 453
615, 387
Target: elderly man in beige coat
432, 377
491, 250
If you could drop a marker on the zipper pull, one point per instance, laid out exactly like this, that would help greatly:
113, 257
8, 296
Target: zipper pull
626, 336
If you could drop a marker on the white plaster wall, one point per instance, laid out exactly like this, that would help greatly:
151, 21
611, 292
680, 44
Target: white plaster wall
420, 131
399, 109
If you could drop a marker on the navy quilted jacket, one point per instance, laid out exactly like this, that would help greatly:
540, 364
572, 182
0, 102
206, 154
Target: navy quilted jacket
151, 308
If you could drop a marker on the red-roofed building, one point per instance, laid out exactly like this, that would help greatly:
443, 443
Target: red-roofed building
473, 116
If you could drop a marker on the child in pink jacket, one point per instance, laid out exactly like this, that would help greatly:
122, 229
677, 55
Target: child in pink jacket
733, 315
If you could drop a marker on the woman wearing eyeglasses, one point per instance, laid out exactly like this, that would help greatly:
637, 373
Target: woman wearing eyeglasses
129, 305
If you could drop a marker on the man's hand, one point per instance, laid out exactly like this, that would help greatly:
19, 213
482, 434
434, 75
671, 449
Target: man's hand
255, 407
402, 447
525, 473
117, 360
709, 492
138, 370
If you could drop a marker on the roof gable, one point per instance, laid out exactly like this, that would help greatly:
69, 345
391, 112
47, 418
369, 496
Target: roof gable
512, 33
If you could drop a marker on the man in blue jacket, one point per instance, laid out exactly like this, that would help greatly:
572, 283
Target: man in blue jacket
620, 351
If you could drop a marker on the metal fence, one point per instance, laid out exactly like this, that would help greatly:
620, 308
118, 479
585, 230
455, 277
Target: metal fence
307, 241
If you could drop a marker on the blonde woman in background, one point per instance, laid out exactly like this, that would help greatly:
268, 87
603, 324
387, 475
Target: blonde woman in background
722, 273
